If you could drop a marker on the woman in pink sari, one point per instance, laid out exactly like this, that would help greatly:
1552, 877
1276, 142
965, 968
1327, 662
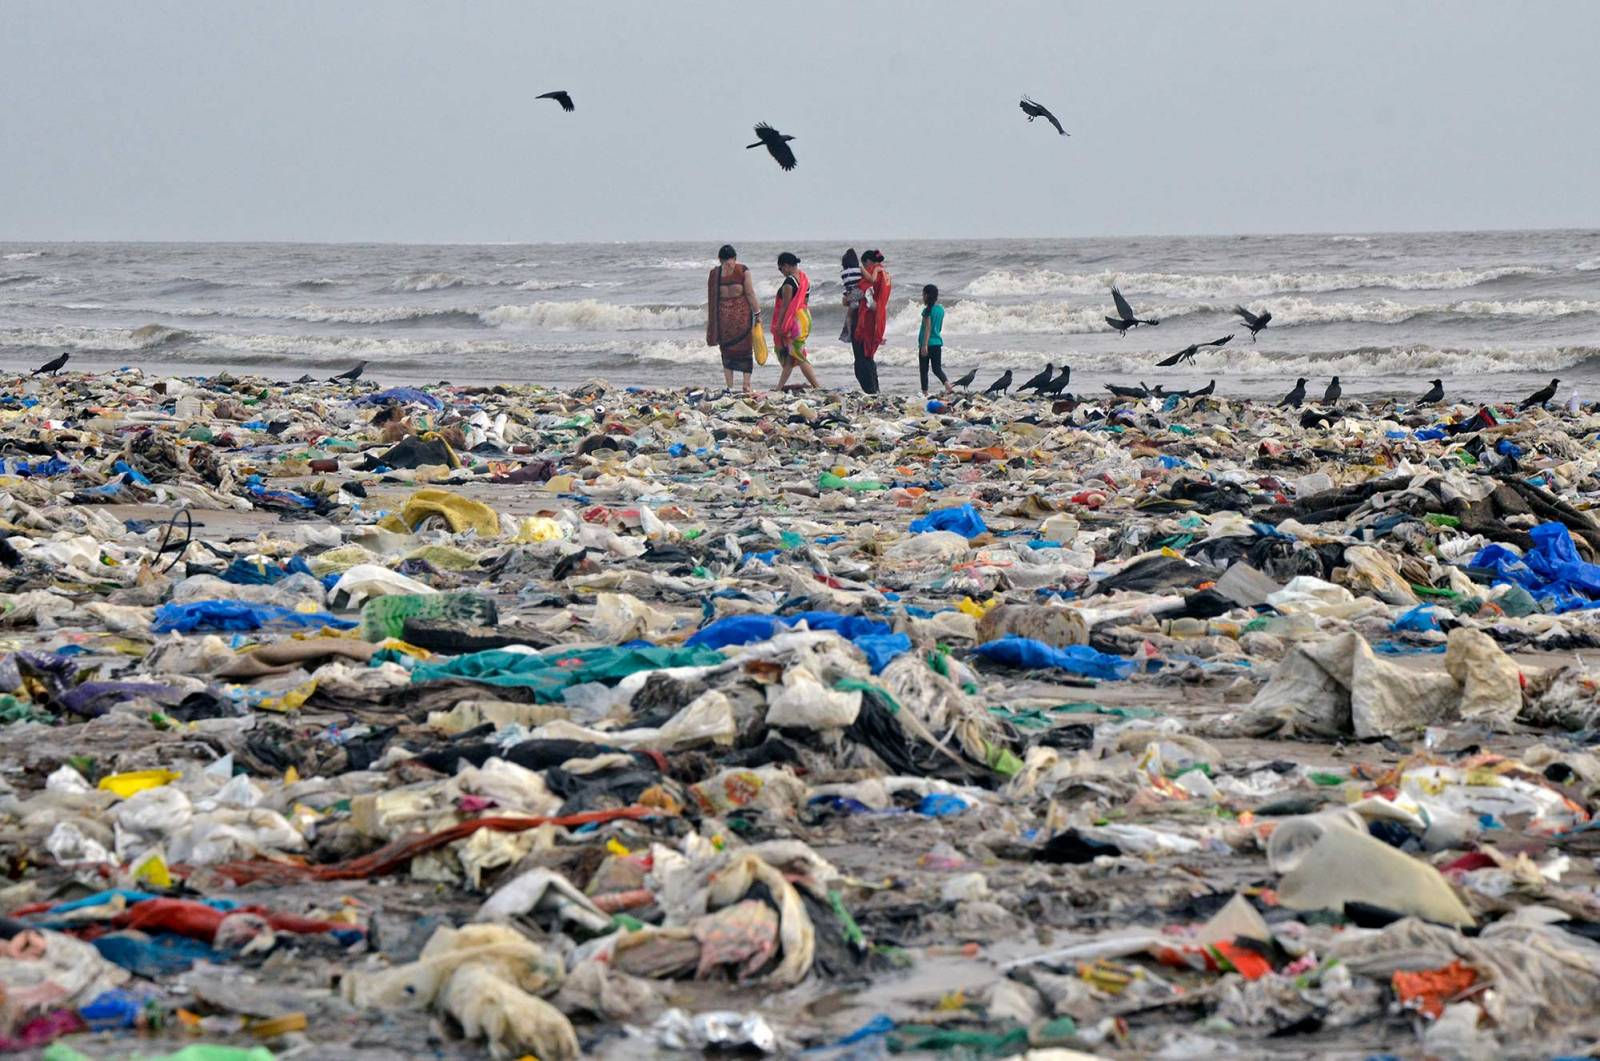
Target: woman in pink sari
872, 317
791, 321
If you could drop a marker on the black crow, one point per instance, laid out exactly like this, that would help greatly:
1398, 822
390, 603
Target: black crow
1040, 380
350, 376
966, 381
1296, 396
53, 366
1059, 384
561, 98
776, 143
1141, 391
1331, 395
1186, 354
1125, 318
1252, 321
1435, 393
1038, 110
1540, 396
1000, 385
1203, 392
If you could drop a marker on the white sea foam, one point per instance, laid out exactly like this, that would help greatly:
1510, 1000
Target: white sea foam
976, 317
593, 315
1588, 265
19, 256
1002, 283
680, 263
428, 282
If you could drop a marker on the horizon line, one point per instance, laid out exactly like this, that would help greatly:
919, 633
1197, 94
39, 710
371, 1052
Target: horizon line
809, 239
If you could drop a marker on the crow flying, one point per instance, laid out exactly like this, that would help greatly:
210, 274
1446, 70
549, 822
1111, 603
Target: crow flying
1296, 396
561, 98
1125, 318
1000, 385
1540, 396
53, 366
350, 376
1252, 321
1435, 393
776, 143
1188, 352
1038, 110
966, 381
1040, 380
1333, 392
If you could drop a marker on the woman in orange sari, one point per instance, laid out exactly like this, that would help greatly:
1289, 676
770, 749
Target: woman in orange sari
731, 313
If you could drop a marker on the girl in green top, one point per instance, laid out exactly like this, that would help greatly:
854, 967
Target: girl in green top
930, 341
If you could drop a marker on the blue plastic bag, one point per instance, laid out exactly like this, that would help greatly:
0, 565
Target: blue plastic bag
1416, 620
241, 616
1552, 572
962, 519
1024, 652
881, 649
941, 805
735, 630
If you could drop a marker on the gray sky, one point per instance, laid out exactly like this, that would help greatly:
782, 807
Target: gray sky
414, 120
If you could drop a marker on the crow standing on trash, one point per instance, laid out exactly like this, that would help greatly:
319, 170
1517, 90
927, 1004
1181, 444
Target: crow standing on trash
1333, 392
966, 381
1059, 384
1296, 396
351, 376
1000, 385
1039, 380
54, 365
1540, 396
1435, 393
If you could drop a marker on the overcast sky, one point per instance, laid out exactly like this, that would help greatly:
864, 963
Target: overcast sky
414, 120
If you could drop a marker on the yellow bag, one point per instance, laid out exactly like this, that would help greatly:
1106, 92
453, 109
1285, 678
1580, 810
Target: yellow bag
758, 343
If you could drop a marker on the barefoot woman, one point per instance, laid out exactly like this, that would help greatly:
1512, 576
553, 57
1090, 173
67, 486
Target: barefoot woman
731, 311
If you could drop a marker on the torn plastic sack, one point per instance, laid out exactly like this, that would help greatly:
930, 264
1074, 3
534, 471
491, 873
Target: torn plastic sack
1327, 860
488, 977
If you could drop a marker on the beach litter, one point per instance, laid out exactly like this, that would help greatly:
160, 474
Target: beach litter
340, 720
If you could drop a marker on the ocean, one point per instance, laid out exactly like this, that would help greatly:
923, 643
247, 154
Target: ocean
1492, 313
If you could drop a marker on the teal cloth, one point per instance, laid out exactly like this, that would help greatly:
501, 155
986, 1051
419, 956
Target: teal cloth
548, 674
933, 324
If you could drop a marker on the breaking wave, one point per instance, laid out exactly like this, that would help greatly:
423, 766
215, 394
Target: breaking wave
429, 282
975, 317
20, 256
1001, 283
1588, 265
593, 315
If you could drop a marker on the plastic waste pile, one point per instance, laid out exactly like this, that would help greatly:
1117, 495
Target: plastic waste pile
342, 720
